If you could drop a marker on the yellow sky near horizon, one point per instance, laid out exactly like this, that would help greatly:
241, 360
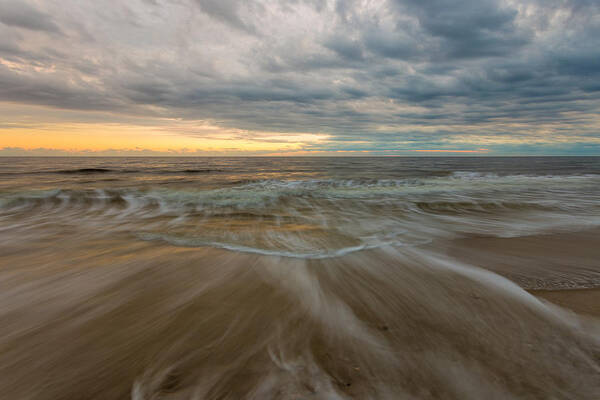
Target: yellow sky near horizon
41, 127
99, 137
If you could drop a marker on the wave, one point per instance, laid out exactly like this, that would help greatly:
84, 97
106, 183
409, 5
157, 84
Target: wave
475, 175
85, 171
197, 171
432, 196
94, 170
307, 219
316, 255
414, 177
132, 171
247, 199
461, 207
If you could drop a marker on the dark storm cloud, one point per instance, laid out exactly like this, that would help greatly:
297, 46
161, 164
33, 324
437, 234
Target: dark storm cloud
350, 69
468, 28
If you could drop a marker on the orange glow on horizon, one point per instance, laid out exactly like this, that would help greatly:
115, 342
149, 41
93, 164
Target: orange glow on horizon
91, 138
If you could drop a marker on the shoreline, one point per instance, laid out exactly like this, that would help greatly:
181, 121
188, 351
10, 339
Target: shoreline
561, 268
543, 262
581, 301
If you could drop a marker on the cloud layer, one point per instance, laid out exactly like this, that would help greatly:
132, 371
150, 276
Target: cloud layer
378, 76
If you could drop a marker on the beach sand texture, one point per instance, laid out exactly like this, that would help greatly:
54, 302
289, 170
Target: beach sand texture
420, 288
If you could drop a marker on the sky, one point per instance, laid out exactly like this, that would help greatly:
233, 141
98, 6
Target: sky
299, 77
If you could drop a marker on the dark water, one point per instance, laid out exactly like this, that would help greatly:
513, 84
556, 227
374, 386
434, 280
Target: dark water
228, 278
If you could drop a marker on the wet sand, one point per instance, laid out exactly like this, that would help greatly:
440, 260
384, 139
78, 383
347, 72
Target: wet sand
115, 318
558, 261
562, 268
150, 321
581, 301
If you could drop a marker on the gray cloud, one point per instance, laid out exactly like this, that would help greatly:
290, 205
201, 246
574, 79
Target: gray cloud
398, 71
468, 28
228, 12
20, 14
345, 48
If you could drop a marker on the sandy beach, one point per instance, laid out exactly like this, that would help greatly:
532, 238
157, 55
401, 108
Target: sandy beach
147, 282
553, 261
548, 266
581, 301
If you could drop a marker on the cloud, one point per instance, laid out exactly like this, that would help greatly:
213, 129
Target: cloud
388, 73
467, 28
22, 15
228, 12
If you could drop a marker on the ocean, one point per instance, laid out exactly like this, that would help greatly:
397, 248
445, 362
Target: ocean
299, 278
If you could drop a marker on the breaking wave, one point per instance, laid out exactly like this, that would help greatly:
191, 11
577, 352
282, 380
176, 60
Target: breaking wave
323, 218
